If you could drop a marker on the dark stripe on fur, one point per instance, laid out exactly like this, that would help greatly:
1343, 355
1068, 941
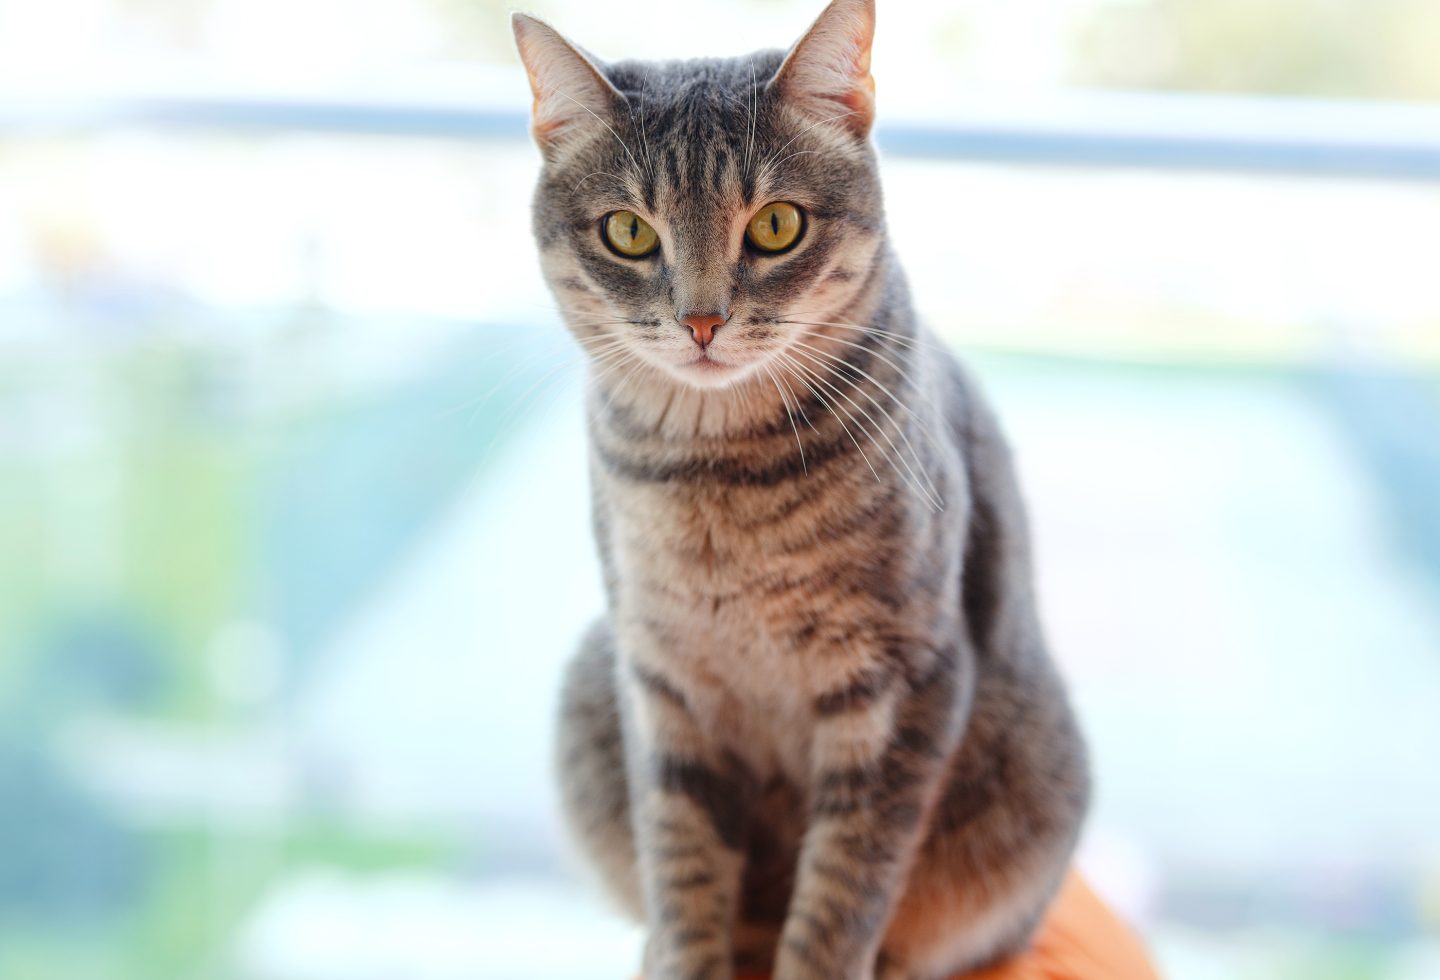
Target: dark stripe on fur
659, 686
867, 688
721, 797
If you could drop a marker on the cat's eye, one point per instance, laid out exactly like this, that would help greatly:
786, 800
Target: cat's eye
629, 234
775, 227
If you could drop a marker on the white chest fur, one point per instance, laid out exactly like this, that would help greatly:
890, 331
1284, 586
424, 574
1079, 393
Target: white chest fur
691, 587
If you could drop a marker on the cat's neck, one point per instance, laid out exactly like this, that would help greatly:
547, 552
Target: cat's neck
655, 406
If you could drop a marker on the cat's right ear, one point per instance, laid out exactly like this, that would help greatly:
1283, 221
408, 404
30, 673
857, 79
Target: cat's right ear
570, 92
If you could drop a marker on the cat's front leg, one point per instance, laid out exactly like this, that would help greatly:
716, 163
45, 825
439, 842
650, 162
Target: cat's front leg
881, 748
691, 809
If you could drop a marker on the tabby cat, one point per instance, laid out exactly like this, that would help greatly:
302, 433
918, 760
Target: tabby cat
817, 731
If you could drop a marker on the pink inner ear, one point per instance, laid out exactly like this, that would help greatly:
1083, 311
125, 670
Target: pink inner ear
857, 97
856, 52
545, 128
860, 97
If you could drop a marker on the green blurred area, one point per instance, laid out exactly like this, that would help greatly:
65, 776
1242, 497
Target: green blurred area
128, 555
1377, 49
199, 884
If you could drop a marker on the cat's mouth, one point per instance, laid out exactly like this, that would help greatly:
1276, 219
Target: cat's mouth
707, 370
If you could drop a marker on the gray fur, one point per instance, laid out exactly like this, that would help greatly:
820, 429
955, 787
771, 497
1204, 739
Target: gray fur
817, 730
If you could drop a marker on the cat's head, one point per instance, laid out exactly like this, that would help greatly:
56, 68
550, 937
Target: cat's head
702, 216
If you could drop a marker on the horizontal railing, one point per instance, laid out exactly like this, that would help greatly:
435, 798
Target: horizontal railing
1152, 130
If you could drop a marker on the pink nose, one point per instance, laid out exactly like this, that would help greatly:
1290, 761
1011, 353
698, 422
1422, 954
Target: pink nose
703, 326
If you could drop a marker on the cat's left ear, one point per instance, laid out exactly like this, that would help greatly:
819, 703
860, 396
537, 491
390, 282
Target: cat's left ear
827, 72
570, 92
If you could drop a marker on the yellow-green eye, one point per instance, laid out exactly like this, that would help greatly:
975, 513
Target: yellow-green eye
627, 233
775, 227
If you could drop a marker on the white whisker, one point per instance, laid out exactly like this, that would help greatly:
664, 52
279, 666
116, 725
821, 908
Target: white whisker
595, 173
551, 386
615, 391
605, 124
895, 456
905, 375
801, 374
796, 399
819, 122
798, 444
754, 99
900, 429
564, 363
789, 156
644, 138
910, 340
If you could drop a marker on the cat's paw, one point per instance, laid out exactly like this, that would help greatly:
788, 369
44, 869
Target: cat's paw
687, 957
789, 966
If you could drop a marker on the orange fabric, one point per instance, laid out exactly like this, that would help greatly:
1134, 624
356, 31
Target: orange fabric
1080, 939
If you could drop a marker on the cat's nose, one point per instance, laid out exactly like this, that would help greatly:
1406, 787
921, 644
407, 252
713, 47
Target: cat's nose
703, 326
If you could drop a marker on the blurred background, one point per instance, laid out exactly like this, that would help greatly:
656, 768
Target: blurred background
293, 533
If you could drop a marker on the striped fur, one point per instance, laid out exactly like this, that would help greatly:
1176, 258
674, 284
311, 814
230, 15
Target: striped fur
817, 730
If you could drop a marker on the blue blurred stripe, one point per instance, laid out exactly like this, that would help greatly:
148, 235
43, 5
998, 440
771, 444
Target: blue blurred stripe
1166, 131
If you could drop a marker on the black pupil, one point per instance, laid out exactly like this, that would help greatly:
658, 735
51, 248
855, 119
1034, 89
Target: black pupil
634, 227
775, 222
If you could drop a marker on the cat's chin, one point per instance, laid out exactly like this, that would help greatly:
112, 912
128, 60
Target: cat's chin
706, 372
